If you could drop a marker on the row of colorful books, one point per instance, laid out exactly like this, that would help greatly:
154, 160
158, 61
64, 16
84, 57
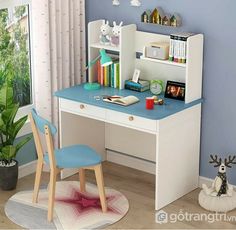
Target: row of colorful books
178, 47
109, 75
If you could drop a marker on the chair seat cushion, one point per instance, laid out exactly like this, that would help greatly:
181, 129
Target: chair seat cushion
75, 156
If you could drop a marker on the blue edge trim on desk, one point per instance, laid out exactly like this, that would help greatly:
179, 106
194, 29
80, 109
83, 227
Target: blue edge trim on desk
171, 106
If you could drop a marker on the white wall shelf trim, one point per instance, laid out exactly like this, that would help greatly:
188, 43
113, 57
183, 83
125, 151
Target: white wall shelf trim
106, 47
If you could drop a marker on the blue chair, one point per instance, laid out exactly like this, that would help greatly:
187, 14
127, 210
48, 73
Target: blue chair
76, 156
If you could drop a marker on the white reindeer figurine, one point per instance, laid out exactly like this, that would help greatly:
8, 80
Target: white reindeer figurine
115, 38
220, 185
105, 33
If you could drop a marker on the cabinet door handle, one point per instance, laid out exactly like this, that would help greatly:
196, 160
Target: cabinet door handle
131, 118
82, 106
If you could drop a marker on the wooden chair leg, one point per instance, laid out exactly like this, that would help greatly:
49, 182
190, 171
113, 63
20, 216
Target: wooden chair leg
82, 180
100, 184
37, 181
52, 187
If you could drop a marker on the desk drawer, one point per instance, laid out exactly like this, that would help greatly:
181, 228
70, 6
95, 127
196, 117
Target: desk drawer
82, 109
132, 121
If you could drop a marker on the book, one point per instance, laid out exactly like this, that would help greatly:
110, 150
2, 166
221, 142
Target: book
178, 47
99, 71
112, 76
116, 75
102, 75
106, 76
125, 101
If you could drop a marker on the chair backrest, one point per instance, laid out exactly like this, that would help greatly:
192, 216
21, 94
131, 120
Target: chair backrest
42, 125
41, 122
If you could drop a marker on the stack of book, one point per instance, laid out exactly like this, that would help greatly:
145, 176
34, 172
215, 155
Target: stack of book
109, 75
178, 47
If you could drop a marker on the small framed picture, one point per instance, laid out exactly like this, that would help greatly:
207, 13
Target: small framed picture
175, 90
136, 75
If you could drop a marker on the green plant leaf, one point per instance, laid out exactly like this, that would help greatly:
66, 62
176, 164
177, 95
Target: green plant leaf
6, 96
22, 143
8, 152
8, 115
16, 127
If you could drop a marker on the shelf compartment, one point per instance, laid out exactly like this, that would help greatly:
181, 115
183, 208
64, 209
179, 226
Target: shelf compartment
166, 62
106, 47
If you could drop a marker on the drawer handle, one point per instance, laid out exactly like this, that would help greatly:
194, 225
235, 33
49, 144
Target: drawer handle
82, 106
131, 118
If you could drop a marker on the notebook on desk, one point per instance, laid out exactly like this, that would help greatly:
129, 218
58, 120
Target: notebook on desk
125, 101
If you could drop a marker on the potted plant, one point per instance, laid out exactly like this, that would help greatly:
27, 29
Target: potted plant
9, 128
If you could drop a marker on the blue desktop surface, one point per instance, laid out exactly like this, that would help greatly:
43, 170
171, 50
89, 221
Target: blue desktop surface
171, 106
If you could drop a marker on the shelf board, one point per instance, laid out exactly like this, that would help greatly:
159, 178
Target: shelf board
166, 62
106, 47
156, 24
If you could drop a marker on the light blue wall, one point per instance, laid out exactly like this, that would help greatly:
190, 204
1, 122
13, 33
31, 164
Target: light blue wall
27, 153
216, 20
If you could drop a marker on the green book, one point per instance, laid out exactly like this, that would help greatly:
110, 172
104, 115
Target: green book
117, 75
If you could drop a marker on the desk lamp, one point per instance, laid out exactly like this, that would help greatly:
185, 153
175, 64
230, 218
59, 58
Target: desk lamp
105, 61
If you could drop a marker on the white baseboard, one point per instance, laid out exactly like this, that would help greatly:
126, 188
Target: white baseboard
207, 181
131, 162
27, 169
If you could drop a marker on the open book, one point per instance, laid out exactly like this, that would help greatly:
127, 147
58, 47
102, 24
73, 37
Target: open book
125, 101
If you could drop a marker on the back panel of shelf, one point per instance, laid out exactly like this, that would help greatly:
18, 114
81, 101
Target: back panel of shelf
93, 52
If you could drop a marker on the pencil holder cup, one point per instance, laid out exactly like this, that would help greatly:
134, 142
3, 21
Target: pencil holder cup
149, 103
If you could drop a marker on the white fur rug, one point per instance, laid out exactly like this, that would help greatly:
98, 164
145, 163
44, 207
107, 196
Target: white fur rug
217, 203
73, 209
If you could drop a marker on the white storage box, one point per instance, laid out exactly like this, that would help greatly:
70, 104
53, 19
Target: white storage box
158, 50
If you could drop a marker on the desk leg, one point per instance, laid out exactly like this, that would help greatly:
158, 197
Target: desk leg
177, 159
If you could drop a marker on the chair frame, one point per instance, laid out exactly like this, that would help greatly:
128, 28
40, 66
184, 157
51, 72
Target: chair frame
54, 170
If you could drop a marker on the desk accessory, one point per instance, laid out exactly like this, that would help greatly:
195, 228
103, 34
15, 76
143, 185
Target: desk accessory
105, 60
156, 86
159, 17
157, 50
115, 37
111, 97
136, 75
175, 90
140, 86
125, 101
146, 16
149, 103
220, 197
105, 33
159, 102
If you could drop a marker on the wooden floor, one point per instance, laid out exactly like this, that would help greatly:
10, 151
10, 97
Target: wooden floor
138, 187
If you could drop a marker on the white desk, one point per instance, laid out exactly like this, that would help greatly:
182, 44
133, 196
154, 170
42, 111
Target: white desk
175, 128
